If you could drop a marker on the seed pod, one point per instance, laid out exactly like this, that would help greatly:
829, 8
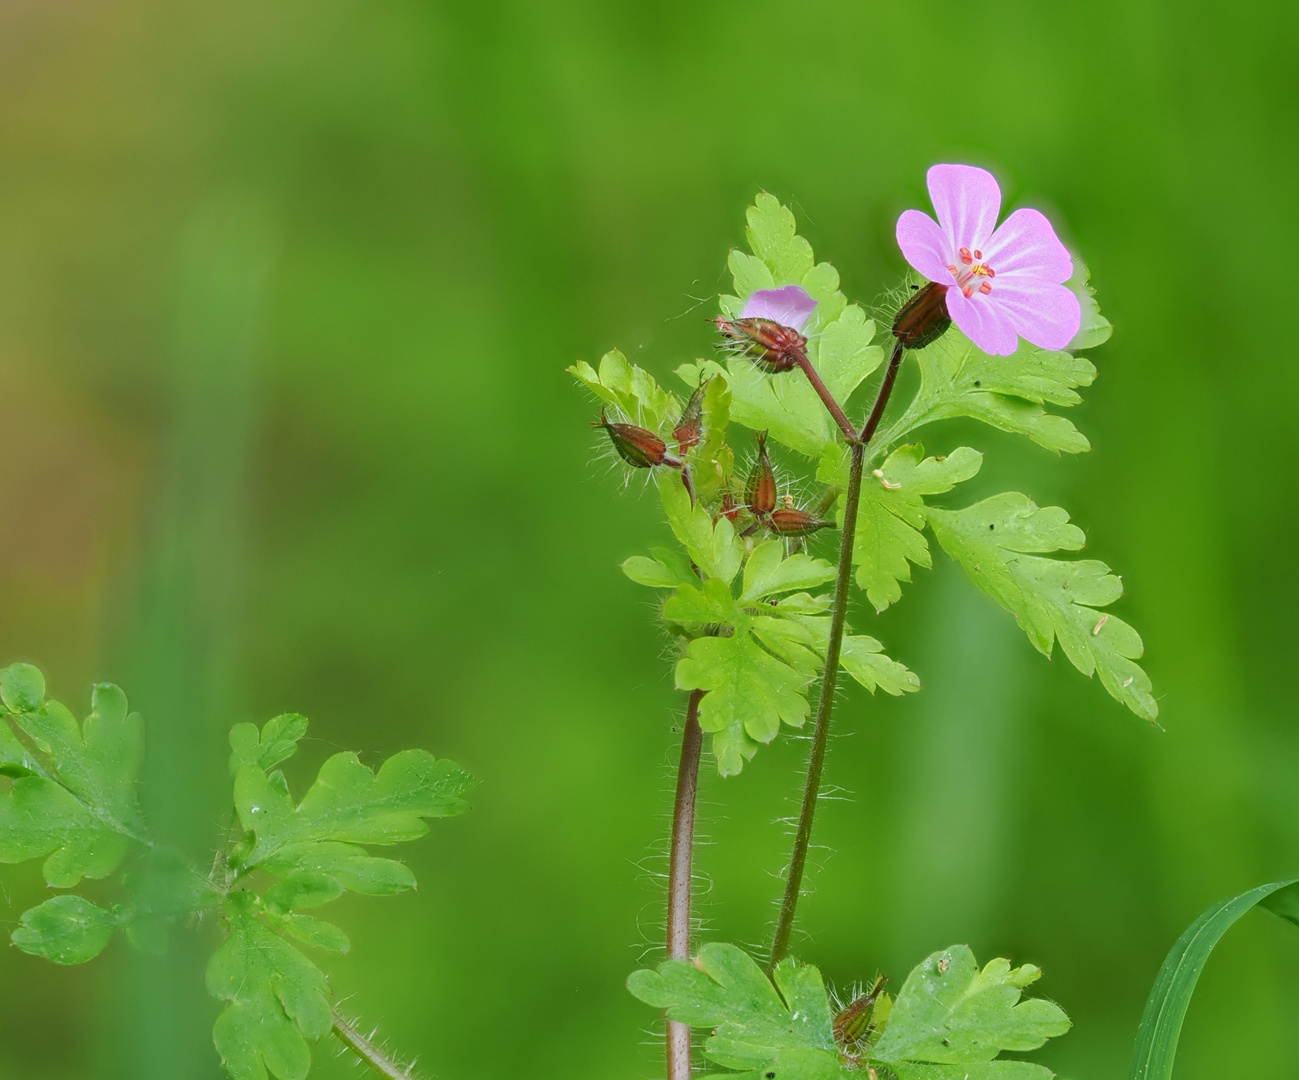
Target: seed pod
760, 488
788, 521
637, 446
923, 318
854, 1021
768, 344
690, 427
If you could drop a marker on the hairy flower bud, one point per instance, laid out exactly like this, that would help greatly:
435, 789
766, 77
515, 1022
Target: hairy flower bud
637, 446
690, 427
923, 318
851, 1023
768, 344
760, 488
790, 521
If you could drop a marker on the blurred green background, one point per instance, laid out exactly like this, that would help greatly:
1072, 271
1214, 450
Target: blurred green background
286, 292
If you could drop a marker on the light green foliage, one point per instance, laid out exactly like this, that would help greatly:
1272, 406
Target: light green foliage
711, 461
1094, 329
666, 569
278, 998
630, 390
863, 658
1000, 542
839, 336
74, 797
67, 929
713, 546
951, 1013
758, 1025
951, 1020
891, 513
276, 742
1008, 392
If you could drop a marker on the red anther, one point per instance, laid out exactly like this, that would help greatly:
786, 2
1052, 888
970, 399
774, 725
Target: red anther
789, 521
967, 291
689, 428
952, 267
978, 254
966, 257
985, 288
637, 446
989, 270
768, 344
760, 488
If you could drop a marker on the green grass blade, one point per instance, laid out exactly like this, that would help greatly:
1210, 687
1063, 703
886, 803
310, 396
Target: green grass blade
1161, 1024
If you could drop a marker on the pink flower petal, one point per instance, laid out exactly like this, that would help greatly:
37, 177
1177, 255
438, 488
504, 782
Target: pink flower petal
1041, 312
967, 201
1025, 244
790, 305
982, 321
925, 246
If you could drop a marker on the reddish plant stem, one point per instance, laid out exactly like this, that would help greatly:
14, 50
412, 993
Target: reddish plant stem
680, 870
825, 705
845, 425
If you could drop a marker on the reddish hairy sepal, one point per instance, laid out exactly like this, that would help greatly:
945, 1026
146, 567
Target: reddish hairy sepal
637, 446
773, 347
790, 521
690, 427
760, 489
923, 318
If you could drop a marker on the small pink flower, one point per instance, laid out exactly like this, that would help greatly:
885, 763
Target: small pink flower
1003, 282
790, 305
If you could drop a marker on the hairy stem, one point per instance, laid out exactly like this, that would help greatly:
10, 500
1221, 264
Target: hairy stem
679, 874
364, 1049
845, 425
825, 705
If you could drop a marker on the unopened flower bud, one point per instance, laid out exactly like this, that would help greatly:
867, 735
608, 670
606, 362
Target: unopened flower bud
923, 318
760, 488
637, 446
689, 429
851, 1023
768, 344
790, 521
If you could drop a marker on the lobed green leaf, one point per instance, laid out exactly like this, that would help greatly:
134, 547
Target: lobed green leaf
632, 391
66, 929
999, 543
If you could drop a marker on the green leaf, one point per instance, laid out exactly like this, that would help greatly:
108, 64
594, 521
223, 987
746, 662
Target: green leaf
891, 513
350, 803
757, 1025
98, 761
1161, 1023
276, 742
15, 758
999, 542
949, 1012
711, 461
1007, 392
302, 890
863, 658
277, 998
631, 390
22, 687
356, 870
769, 572
783, 405
39, 817
1094, 328
666, 570
315, 932
66, 929
714, 547
750, 693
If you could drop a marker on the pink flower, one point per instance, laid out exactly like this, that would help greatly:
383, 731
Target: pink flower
790, 305
1002, 282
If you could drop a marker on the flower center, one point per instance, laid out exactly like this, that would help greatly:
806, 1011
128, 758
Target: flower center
972, 273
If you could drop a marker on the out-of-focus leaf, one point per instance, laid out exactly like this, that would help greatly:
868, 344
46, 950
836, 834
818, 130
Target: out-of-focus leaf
66, 929
1161, 1023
